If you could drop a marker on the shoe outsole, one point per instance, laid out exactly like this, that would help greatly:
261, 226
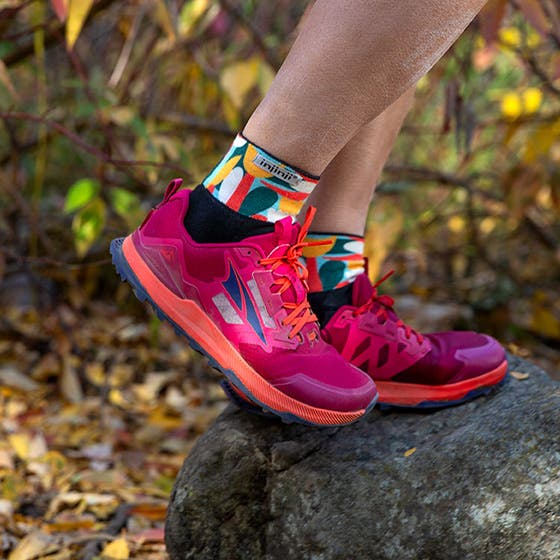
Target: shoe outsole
128, 275
425, 406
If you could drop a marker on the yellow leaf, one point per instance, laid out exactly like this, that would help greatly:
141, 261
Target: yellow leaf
540, 142
239, 78
116, 550
190, 14
519, 375
117, 398
533, 39
511, 105
456, 224
77, 14
20, 444
487, 225
410, 451
164, 19
532, 99
510, 36
545, 319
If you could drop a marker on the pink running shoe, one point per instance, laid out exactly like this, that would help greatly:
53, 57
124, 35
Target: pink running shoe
411, 369
244, 305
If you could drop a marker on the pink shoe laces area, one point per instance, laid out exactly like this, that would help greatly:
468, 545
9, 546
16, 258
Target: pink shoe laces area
384, 309
300, 313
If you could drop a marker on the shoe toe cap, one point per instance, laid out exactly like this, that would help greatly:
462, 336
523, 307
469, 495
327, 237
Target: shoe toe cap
333, 385
484, 357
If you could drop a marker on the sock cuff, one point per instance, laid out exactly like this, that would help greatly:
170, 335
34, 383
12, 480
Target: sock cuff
254, 183
335, 263
299, 170
339, 244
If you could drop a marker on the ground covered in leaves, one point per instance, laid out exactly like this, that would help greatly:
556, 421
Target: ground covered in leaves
96, 417
98, 410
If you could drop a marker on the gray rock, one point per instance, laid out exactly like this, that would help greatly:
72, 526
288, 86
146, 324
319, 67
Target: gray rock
483, 483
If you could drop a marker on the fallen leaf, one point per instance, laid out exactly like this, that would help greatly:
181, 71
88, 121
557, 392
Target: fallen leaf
6, 461
410, 451
154, 511
116, 550
70, 385
20, 444
6, 509
520, 375
31, 546
156, 534
12, 377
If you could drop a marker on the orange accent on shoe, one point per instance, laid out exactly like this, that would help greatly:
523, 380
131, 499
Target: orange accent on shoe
410, 394
300, 313
190, 317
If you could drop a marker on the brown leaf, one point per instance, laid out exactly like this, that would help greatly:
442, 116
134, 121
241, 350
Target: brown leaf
70, 385
521, 186
490, 18
149, 535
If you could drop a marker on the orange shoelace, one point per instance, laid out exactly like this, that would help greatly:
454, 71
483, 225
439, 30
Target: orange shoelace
300, 313
386, 303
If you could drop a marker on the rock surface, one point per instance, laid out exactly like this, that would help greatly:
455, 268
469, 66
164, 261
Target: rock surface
483, 483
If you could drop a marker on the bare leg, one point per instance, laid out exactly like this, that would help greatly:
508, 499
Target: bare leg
344, 193
352, 59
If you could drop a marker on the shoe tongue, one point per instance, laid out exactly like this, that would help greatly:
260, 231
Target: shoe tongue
287, 231
361, 291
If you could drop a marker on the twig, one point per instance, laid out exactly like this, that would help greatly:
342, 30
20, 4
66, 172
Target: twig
92, 150
118, 521
194, 122
423, 174
255, 33
126, 51
533, 64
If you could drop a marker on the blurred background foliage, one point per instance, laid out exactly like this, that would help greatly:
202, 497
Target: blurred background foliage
102, 102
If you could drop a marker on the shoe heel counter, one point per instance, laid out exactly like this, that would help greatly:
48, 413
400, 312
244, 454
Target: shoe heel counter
159, 240
166, 219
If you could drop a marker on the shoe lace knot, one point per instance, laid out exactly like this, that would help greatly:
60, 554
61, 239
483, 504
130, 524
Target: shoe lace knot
300, 312
385, 305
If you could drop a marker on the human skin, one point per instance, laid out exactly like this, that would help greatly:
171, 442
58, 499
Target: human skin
351, 60
343, 195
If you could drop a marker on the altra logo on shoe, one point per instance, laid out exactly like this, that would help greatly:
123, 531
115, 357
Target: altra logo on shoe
293, 179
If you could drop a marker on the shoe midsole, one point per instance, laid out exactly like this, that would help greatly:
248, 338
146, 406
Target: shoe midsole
196, 323
407, 394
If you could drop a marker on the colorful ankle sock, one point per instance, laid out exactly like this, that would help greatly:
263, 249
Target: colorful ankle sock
335, 264
252, 182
